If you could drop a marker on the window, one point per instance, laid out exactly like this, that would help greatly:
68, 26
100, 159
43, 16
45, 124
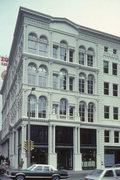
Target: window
42, 105
109, 174
106, 88
63, 106
106, 136
90, 54
32, 73
114, 68
114, 51
42, 76
115, 90
55, 51
32, 43
63, 50
71, 111
105, 49
63, 78
32, 101
90, 112
81, 55
106, 67
82, 111
43, 46
55, 81
71, 55
81, 83
90, 84
71, 83
116, 136
115, 113
106, 112
55, 109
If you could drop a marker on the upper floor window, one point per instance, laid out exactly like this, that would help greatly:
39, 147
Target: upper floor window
32, 72
105, 49
43, 46
63, 79
42, 105
106, 112
82, 111
90, 84
63, 50
114, 68
91, 112
115, 89
106, 67
115, 113
106, 136
55, 81
90, 55
63, 106
71, 83
116, 136
106, 88
71, 111
114, 51
42, 76
71, 55
32, 43
55, 51
81, 83
81, 55
32, 101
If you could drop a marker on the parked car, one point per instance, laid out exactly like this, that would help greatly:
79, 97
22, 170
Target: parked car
37, 171
116, 165
2, 170
104, 174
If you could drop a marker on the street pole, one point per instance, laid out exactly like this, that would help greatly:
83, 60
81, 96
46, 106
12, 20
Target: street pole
29, 132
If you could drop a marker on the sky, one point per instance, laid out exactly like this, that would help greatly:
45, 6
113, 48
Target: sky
102, 15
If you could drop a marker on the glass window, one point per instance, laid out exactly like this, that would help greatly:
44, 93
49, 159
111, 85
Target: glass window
63, 50
106, 136
42, 105
115, 90
106, 67
63, 106
42, 76
90, 84
89, 60
63, 78
115, 113
105, 49
81, 83
32, 102
71, 55
81, 55
55, 81
55, 109
71, 83
114, 68
114, 51
116, 136
43, 46
71, 111
90, 112
32, 43
109, 174
55, 51
32, 74
106, 88
82, 111
106, 112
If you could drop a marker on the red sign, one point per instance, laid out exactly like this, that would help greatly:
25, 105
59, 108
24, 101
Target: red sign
4, 61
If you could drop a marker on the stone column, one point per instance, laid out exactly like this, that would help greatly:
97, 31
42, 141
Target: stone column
23, 153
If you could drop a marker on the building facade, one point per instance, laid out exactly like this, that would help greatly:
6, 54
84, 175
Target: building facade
75, 106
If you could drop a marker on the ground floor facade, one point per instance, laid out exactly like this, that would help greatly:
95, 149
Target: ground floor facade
65, 146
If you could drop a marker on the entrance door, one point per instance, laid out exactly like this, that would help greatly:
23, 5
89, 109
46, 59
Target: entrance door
39, 156
64, 158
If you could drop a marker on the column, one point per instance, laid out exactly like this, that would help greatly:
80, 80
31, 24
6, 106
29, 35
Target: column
52, 156
50, 52
25, 39
23, 153
77, 160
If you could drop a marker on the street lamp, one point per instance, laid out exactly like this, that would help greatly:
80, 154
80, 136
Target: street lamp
28, 138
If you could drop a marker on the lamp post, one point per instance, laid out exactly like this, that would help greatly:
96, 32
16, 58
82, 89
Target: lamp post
28, 138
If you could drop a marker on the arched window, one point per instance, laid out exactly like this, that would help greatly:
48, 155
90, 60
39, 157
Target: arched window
63, 50
81, 82
32, 101
32, 73
91, 107
42, 76
63, 79
90, 84
32, 43
63, 107
82, 111
82, 55
43, 46
90, 55
42, 107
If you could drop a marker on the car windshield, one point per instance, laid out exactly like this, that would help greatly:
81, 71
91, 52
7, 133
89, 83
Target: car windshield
97, 172
31, 167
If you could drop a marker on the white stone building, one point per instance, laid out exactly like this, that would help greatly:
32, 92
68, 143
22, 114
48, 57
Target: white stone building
75, 107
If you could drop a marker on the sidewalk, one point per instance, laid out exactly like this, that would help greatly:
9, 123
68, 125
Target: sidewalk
75, 173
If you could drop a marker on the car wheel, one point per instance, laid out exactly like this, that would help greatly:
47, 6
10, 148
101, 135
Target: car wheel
20, 177
55, 178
